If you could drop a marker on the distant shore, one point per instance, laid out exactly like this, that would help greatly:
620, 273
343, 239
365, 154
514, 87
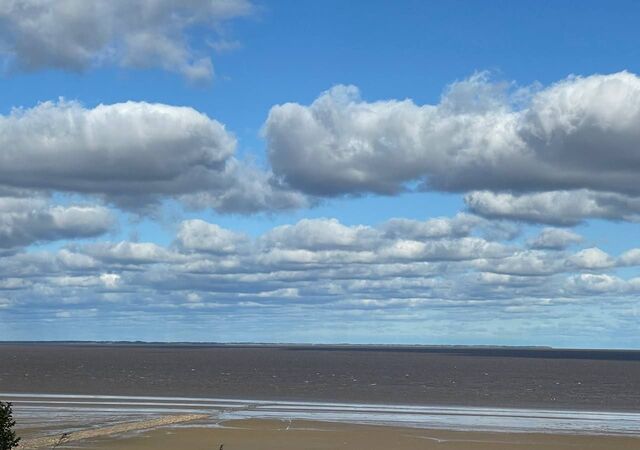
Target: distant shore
584, 352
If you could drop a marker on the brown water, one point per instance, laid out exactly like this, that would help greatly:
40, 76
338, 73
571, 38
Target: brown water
525, 378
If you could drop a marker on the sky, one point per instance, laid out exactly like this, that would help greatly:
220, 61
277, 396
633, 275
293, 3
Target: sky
414, 172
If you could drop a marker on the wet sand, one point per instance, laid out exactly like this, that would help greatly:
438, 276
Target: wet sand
296, 435
38, 414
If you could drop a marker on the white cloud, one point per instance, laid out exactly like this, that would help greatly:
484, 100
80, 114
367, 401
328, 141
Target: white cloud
76, 261
575, 137
466, 248
198, 235
595, 283
243, 188
509, 159
592, 259
563, 208
502, 279
67, 281
76, 34
129, 252
630, 258
439, 227
14, 283
555, 239
121, 149
523, 263
320, 234
110, 280
341, 144
281, 293
314, 268
133, 154
24, 221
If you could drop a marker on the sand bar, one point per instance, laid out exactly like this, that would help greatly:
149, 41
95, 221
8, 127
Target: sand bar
49, 441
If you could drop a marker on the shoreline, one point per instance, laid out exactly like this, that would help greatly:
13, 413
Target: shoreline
70, 412
69, 395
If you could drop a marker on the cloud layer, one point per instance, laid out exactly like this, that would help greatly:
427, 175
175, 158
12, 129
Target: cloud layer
75, 35
320, 269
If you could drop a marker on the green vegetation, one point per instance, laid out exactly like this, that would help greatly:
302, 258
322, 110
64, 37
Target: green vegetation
8, 438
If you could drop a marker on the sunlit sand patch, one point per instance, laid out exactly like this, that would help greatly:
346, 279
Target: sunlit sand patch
252, 434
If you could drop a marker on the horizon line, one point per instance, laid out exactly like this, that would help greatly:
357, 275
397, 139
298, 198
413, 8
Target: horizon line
316, 344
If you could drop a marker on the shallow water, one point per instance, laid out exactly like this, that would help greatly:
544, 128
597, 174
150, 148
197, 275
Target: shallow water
69, 412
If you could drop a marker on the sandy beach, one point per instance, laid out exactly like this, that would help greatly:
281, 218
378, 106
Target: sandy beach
296, 435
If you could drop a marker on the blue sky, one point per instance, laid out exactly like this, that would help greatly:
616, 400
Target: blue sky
286, 171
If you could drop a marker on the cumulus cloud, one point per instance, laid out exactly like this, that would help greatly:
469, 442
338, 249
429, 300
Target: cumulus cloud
592, 259
523, 263
76, 35
462, 224
133, 154
129, 253
630, 257
578, 135
466, 248
562, 208
321, 234
198, 235
25, 221
114, 149
457, 226
341, 144
514, 158
596, 284
244, 188
555, 239
65, 281
501, 279
74, 261
325, 240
